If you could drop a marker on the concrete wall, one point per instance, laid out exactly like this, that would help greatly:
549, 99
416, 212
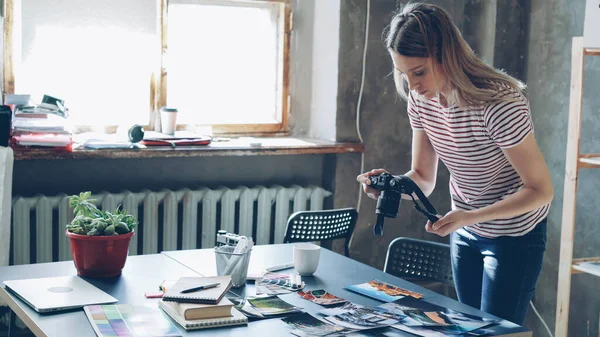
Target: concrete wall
531, 40
553, 23
384, 126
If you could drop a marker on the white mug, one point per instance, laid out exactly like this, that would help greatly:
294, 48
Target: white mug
306, 258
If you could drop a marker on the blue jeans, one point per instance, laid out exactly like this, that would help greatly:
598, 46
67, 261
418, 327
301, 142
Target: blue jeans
498, 275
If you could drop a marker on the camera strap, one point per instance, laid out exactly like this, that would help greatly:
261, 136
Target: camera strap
432, 217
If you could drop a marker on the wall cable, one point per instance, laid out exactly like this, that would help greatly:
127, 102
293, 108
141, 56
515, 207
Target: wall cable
360, 94
541, 319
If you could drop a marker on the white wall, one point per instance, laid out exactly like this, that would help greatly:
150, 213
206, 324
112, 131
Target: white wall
314, 68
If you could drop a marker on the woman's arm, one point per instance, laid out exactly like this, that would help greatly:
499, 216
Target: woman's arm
424, 163
537, 191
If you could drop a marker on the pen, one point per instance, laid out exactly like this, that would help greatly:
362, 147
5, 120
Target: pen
280, 266
190, 290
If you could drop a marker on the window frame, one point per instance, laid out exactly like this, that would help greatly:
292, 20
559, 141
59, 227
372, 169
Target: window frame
159, 78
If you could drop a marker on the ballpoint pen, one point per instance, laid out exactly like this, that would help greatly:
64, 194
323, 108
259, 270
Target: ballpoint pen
206, 286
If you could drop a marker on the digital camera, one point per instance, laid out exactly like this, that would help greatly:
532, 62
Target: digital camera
392, 188
228, 239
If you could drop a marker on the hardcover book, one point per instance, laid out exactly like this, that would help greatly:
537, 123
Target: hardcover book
236, 318
205, 296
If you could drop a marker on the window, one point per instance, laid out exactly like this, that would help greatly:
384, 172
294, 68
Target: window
222, 63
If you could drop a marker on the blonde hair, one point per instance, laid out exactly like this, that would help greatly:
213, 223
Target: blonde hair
425, 30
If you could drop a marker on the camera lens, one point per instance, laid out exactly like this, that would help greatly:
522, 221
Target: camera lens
378, 229
388, 203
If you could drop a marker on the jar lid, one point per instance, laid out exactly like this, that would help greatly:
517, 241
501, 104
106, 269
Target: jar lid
168, 109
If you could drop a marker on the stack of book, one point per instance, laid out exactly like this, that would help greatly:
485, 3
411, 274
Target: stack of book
200, 302
41, 126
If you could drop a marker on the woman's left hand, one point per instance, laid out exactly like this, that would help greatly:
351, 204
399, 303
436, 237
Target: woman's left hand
450, 222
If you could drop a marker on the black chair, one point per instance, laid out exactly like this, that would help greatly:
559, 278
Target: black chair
307, 226
419, 261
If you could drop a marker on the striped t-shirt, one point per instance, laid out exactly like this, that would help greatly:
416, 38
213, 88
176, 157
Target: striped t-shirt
470, 142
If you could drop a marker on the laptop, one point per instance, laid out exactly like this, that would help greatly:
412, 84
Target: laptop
57, 293
591, 24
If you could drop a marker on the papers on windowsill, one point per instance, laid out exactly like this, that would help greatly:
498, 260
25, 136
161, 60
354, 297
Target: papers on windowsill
50, 130
97, 141
42, 139
51, 124
153, 135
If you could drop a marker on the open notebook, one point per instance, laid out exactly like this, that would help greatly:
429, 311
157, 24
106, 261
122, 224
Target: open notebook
206, 296
237, 318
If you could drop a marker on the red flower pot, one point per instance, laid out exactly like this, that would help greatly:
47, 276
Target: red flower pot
99, 256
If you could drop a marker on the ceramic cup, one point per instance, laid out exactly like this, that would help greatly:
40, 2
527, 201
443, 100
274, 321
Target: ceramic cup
306, 258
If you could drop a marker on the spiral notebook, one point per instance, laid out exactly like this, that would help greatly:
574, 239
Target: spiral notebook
206, 296
237, 318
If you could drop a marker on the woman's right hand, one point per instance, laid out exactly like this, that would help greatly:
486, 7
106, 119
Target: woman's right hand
365, 181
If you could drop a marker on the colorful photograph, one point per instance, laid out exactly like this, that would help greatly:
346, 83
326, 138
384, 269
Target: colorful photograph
349, 306
422, 314
384, 332
382, 291
308, 325
429, 318
272, 305
420, 331
278, 284
321, 297
360, 319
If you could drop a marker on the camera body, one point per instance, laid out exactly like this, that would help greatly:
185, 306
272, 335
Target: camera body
391, 194
392, 188
228, 239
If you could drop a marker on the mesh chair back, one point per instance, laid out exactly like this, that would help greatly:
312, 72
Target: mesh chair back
306, 226
414, 259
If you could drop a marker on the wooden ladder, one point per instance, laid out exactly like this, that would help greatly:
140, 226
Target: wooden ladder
574, 161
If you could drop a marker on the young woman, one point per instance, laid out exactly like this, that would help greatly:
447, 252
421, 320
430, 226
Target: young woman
476, 120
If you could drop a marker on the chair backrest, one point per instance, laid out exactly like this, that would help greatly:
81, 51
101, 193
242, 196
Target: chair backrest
415, 259
306, 226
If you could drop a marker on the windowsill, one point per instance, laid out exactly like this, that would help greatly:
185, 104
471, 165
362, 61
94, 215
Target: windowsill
234, 147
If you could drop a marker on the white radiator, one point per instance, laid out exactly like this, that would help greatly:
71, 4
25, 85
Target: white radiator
169, 220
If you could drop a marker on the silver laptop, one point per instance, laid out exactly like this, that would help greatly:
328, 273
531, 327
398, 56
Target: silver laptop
57, 293
591, 24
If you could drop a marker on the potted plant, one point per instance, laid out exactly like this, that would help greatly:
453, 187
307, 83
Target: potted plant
99, 239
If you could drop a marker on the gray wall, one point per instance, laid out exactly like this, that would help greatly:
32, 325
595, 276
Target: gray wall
384, 125
531, 40
553, 24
